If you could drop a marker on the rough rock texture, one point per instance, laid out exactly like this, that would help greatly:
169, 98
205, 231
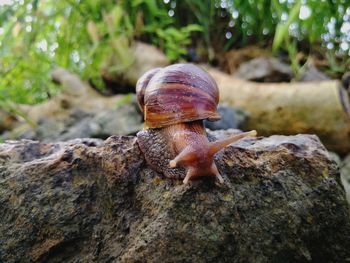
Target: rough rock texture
97, 201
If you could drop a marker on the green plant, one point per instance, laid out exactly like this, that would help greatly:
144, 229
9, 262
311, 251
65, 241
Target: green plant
282, 29
174, 41
85, 37
292, 26
88, 36
282, 37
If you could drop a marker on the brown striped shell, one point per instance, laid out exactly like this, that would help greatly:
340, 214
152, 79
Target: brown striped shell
142, 84
175, 94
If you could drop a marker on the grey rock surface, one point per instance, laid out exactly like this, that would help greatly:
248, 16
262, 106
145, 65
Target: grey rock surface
345, 175
78, 111
346, 80
144, 57
79, 123
265, 69
231, 118
311, 73
90, 200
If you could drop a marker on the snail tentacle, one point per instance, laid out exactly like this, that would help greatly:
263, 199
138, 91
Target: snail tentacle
218, 145
175, 100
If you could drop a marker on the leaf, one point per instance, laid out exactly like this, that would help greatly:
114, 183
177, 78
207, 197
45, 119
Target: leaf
282, 30
192, 27
93, 32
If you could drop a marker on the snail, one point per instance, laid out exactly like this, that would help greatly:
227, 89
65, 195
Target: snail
175, 100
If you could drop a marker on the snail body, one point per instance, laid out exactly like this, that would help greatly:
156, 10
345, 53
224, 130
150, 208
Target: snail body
175, 100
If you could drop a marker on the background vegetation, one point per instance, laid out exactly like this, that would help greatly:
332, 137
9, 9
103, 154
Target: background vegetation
88, 36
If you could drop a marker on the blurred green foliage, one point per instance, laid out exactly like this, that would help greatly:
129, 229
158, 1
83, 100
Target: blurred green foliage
174, 41
90, 36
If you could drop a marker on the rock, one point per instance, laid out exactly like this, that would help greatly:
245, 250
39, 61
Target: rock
123, 120
7, 121
265, 69
346, 183
230, 118
97, 201
78, 112
320, 108
231, 60
335, 157
344, 171
146, 57
313, 74
345, 175
346, 80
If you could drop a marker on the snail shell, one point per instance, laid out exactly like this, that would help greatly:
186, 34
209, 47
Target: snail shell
175, 100
176, 94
